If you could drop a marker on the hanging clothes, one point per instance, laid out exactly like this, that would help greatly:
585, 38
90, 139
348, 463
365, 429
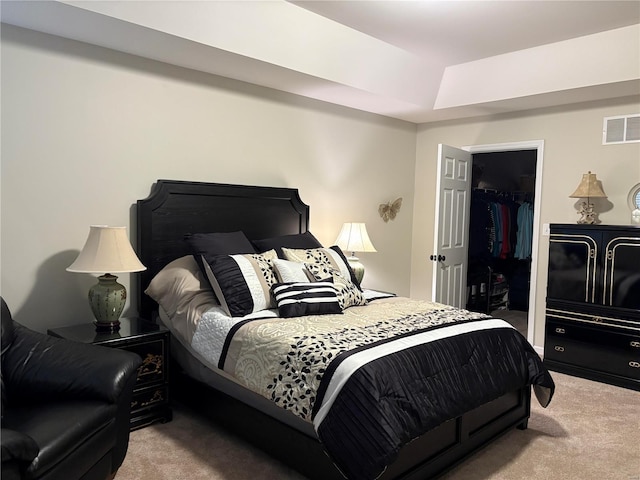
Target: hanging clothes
481, 230
525, 231
499, 226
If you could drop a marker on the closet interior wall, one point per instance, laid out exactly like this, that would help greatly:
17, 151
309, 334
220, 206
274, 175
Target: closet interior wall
500, 229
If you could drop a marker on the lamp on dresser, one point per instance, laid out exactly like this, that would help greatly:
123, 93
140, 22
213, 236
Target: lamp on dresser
590, 187
353, 237
107, 251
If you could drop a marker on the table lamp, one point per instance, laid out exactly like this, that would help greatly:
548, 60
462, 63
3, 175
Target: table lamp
590, 187
107, 251
353, 238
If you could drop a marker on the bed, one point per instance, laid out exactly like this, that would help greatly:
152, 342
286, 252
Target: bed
326, 436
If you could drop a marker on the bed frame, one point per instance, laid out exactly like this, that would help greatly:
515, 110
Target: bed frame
174, 208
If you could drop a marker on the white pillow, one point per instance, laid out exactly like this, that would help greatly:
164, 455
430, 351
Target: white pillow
290, 272
178, 284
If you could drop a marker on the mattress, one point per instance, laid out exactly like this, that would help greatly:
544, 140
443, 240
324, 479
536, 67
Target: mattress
195, 366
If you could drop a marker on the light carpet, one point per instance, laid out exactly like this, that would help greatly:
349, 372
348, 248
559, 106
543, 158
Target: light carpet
591, 431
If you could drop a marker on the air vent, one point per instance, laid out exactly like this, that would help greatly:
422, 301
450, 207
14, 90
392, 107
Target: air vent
623, 129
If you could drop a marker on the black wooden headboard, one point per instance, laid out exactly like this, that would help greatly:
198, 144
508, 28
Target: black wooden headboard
175, 208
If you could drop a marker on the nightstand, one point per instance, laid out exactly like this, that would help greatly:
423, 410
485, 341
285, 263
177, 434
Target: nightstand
150, 401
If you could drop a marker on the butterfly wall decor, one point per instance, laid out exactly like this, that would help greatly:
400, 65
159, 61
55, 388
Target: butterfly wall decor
389, 210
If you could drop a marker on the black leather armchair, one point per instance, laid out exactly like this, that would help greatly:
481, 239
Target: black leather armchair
65, 406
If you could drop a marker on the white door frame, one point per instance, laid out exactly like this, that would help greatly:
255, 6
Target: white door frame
537, 145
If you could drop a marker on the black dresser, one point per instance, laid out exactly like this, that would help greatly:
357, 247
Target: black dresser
593, 303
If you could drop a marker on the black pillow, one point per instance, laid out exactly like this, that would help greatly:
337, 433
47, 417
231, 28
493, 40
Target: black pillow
298, 240
219, 243
298, 299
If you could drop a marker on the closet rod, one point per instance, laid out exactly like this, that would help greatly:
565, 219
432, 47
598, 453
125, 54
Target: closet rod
528, 196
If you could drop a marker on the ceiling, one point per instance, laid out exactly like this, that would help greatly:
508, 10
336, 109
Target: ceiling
418, 61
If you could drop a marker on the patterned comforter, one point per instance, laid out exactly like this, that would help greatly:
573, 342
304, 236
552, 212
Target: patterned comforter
377, 376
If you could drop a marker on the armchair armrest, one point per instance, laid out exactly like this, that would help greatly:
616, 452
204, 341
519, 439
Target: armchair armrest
17, 446
18, 451
38, 366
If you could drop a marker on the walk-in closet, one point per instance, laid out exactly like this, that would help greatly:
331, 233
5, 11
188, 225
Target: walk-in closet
500, 235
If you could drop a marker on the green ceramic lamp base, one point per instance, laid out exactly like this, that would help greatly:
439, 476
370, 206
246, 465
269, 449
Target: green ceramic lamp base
107, 299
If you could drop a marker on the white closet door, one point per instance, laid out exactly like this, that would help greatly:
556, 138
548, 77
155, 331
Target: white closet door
451, 236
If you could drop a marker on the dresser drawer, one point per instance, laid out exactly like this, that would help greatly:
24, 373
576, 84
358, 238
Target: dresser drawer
596, 316
602, 337
593, 348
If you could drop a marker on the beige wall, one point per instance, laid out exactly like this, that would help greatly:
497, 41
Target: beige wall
86, 131
572, 146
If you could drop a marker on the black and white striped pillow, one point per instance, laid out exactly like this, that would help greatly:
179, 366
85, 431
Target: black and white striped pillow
302, 298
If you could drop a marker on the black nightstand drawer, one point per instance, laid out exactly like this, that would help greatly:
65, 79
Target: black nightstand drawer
150, 405
149, 398
153, 368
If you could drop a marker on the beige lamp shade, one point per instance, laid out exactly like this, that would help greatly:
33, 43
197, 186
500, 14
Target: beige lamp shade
353, 237
590, 187
107, 250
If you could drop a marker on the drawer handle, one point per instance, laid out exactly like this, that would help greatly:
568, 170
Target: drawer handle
560, 330
634, 364
635, 343
558, 348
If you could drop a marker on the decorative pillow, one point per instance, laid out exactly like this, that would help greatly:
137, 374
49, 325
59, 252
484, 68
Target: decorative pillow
348, 294
208, 245
178, 284
303, 298
289, 271
242, 283
299, 240
326, 256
